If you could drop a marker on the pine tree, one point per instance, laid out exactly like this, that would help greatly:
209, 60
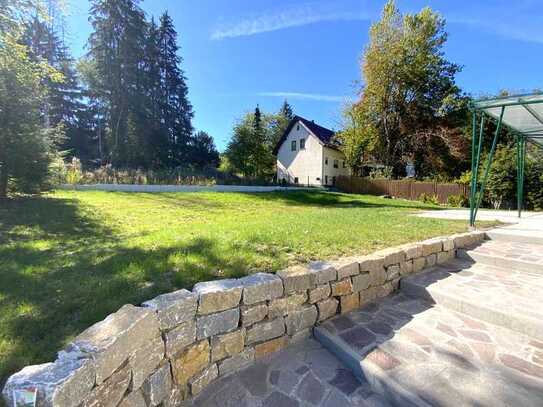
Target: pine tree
62, 103
176, 109
280, 123
116, 48
286, 111
203, 151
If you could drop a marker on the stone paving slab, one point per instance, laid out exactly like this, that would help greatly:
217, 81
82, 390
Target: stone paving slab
508, 254
440, 357
510, 298
304, 374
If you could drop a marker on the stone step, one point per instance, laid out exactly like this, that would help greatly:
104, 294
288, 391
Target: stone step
506, 255
512, 234
498, 296
416, 353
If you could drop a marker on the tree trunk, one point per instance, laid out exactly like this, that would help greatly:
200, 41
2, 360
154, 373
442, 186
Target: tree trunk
3, 182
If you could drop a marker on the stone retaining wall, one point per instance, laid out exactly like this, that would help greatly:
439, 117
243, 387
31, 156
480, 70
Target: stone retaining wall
170, 348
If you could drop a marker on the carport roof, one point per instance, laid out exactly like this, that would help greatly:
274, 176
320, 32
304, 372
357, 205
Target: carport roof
522, 114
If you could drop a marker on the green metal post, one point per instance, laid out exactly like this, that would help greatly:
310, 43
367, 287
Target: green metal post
519, 175
473, 168
488, 164
522, 169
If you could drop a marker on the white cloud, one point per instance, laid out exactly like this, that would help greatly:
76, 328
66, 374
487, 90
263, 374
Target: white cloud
305, 96
522, 22
273, 20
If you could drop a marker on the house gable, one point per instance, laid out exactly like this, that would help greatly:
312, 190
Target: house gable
322, 134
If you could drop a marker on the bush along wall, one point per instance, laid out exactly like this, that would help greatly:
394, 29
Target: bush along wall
170, 348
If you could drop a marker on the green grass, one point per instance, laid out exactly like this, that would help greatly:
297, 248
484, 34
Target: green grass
68, 259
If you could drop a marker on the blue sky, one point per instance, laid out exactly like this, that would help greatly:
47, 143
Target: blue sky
238, 53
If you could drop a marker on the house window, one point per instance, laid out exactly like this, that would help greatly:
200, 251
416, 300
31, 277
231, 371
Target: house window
302, 144
295, 180
293, 145
298, 127
325, 160
344, 164
326, 180
336, 164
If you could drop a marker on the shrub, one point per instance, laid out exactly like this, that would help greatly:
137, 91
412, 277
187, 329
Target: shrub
429, 199
458, 201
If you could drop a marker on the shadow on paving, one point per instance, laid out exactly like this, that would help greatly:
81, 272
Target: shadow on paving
62, 270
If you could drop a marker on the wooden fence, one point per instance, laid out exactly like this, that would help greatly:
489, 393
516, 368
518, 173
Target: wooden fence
406, 189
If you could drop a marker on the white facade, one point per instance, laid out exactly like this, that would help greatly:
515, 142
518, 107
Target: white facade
313, 164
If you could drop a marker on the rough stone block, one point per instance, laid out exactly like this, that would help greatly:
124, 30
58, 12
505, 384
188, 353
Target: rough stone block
110, 342
283, 306
393, 272
158, 386
443, 257
218, 323
327, 308
361, 282
324, 271
272, 346
371, 262
145, 360
343, 287
431, 260
261, 287
251, 314
201, 381
179, 338
191, 362
349, 302
419, 263
134, 399
63, 383
226, 345
301, 319
173, 308
393, 255
448, 244
385, 289
406, 267
237, 362
378, 276
346, 267
412, 250
431, 246
220, 295
297, 278
320, 293
264, 331
368, 295
111, 391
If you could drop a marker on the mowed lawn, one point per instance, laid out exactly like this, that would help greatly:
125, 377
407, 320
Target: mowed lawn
68, 259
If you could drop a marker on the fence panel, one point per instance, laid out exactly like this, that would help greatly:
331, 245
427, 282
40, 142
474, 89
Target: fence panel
406, 189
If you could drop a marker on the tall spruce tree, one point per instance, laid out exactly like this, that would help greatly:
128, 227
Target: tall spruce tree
116, 47
176, 109
62, 103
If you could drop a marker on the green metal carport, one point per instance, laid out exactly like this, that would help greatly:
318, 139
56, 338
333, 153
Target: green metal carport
523, 116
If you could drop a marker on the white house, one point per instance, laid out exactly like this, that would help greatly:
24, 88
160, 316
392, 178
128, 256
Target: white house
308, 154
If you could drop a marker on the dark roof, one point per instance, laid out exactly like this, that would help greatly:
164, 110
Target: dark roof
326, 136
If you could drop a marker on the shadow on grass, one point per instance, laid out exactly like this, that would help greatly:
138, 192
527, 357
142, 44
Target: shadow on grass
63, 270
338, 200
